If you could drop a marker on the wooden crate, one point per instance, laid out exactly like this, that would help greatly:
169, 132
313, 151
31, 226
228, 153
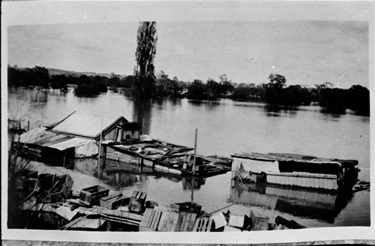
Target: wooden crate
92, 194
259, 222
187, 207
158, 220
186, 221
137, 202
108, 201
168, 221
150, 220
236, 221
203, 225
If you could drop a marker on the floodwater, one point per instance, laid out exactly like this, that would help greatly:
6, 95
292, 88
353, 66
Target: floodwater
224, 128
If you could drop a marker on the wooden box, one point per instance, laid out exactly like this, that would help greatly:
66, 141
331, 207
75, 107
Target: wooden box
187, 207
236, 221
92, 194
259, 222
137, 202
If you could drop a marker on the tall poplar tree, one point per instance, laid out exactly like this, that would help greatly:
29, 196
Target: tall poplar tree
144, 83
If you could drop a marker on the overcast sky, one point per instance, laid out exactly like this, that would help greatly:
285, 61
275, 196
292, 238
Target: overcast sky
305, 52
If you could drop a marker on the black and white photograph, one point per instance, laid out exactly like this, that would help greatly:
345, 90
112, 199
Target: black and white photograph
187, 122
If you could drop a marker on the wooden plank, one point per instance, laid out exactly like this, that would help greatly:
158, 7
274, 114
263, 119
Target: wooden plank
153, 211
101, 210
196, 225
174, 224
152, 221
70, 224
209, 225
191, 222
142, 195
188, 223
203, 225
163, 221
167, 222
173, 219
135, 193
184, 217
146, 217
200, 224
156, 219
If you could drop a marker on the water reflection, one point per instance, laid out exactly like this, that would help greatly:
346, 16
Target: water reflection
189, 183
320, 205
128, 174
277, 111
208, 104
333, 114
123, 179
142, 113
59, 94
39, 96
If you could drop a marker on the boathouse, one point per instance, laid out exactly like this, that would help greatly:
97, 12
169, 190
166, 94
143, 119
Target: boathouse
76, 136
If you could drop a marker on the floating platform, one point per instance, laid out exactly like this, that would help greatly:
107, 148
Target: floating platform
295, 170
165, 158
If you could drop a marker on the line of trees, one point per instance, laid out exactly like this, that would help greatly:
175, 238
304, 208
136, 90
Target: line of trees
85, 85
275, 92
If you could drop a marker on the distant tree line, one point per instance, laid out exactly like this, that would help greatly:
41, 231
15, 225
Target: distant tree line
275, 92
85, 85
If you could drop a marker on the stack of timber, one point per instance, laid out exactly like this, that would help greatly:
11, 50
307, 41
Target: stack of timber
159, 220
296, 170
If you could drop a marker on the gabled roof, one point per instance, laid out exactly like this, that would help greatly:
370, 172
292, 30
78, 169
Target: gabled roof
86, 125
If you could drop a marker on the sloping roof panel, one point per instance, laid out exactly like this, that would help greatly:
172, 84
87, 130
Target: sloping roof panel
36, 135
73, 142
85, 125
54, 140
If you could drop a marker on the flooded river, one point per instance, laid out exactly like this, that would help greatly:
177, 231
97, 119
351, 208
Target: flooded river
224, 128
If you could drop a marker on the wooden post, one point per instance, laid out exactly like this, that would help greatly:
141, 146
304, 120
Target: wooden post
195, 158
28, 125
100, 149
104, 156
195, 150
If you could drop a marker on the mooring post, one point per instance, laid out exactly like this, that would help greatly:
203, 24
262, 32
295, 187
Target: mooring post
104, 156
195, 158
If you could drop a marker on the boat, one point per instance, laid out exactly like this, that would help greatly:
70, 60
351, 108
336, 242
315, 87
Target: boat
295, 170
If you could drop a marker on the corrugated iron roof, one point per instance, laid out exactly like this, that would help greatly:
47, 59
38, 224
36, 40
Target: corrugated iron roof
54, 140
86, 125
36, 135
70, 143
